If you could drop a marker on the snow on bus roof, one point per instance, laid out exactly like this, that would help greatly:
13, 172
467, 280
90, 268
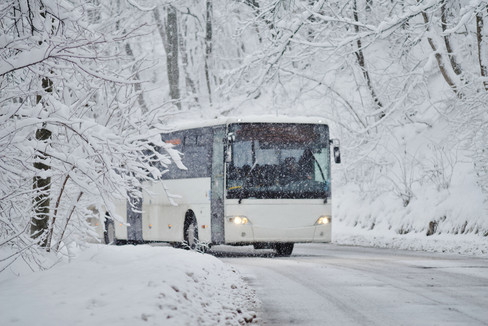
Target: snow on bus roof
185, 125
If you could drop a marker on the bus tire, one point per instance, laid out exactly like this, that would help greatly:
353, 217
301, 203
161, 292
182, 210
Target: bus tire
262, 245
190, 232
109, 233
258, 246
284, 249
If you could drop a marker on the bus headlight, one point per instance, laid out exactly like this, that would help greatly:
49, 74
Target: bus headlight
239, 220
323, 220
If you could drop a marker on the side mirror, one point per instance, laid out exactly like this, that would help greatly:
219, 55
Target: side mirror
336, 150
337, 155
231, 137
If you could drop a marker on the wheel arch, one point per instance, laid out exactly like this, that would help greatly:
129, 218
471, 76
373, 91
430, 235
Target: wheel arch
190, 216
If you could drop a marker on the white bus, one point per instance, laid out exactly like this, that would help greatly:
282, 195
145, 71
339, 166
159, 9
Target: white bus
249, 182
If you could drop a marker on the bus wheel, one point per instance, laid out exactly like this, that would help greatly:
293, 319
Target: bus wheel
109, 234
284, 249
191, 233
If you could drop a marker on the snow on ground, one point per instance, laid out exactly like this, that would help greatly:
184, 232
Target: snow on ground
465, 244
129, 285
147, 285
457, 216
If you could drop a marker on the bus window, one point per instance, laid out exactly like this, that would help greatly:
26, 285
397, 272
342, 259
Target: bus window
278, 161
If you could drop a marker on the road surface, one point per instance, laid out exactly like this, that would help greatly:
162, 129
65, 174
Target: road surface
325, 284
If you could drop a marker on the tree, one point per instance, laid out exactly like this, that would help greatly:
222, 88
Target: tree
361, 59
208, 46
71, 121
169, 35
377, 69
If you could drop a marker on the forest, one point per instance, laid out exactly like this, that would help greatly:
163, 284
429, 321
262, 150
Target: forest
87, 86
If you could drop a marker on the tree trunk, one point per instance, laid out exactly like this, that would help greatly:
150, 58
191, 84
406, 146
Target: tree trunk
42, 185
362, 63
208, 48
191, 89
482, 48
137, 86
452, 59
169, 36
172, 56
439, 58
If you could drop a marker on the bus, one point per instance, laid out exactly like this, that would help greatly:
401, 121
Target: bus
260, 182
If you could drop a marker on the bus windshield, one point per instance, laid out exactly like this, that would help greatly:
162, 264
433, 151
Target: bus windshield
278, 160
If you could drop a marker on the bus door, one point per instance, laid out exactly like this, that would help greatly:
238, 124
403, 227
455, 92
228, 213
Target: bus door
217, 186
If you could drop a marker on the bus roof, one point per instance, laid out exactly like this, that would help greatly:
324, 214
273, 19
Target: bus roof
247, 119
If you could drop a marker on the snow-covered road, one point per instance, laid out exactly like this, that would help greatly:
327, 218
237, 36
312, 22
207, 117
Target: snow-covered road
339, 285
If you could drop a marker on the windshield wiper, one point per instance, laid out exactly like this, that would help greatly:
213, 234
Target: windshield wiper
323, 176
246, 177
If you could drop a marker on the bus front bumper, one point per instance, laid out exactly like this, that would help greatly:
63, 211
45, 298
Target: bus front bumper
277, 220
254, 233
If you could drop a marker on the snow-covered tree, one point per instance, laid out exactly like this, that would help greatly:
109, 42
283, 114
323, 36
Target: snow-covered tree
85, 87
403, 82
73, 132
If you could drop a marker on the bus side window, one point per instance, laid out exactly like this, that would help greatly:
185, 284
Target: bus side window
190, 140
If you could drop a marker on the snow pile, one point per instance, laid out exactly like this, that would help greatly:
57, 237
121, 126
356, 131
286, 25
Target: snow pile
130, 285
459, 210
452, 219
413, 179
465, 244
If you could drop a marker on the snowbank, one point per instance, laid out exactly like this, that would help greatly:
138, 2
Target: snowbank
452, 220
129, 285
465, 244
456, 209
